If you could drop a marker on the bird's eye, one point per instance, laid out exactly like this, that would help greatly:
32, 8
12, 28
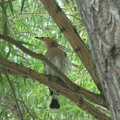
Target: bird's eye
52, 43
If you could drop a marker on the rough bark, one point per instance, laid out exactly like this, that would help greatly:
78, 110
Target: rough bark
72, 36
85, 93
58, 85
102, 22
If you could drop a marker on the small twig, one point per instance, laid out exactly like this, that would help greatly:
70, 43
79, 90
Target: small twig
40, 57
13, 108
39, 13
74, 96
73, 37
81, 92
26, 106
15, 98
69, 83
4, 20
1, 3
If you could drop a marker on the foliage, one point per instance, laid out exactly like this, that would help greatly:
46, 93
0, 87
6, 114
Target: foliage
27, 19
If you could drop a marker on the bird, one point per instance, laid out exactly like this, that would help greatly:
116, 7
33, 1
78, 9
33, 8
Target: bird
59, 58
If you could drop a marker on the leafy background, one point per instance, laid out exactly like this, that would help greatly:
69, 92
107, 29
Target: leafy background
27, 19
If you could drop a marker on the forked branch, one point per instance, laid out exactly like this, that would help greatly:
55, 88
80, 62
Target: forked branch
74, 39
59, 86
75, 88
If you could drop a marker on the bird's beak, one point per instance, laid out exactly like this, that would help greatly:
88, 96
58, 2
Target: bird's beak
41, 38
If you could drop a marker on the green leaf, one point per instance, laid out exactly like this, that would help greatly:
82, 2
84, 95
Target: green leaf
11, 7
25, 43
3, 9
23, 2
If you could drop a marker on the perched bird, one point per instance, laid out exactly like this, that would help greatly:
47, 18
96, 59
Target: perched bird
59, 58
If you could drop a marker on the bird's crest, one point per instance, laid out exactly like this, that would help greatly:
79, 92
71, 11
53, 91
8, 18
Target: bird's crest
44, 39
47, 40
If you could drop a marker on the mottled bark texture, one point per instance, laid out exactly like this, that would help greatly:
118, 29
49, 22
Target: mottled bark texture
102, 21
59, 85
74, 39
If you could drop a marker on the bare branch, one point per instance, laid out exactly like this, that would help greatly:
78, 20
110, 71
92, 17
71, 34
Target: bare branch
74, 39
75, 88
4, 21
1, 3
14, 95
40, 57
57, 85
80, 92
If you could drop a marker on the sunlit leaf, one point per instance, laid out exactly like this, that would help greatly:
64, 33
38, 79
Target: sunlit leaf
25, 43
28, 20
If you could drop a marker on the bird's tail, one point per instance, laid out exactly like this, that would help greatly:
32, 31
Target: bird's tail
54, 104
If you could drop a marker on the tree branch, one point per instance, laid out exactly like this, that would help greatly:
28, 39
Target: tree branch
92, 97
75, 88
57, 85
27, 109
40, 57
1, 3
74, 39
14, 95
4, 19
11, 107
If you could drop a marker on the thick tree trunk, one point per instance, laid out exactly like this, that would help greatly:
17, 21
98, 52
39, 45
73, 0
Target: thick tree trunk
102, 22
